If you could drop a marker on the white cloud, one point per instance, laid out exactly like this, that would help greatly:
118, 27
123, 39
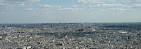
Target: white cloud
131, 0
73, 9
116, 9
74, 6
113, 5
48, 6
12, 4
108, 6
103, 1
123, 9
138, 5
18, 2
89, 1
21, 0
70, 9
4, 6
138, 0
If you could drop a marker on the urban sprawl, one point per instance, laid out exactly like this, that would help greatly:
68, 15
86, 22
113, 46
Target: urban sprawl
71, 36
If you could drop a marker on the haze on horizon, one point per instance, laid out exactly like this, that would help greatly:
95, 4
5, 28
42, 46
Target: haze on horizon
65, 11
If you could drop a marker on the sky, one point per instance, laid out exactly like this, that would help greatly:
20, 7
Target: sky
69, 11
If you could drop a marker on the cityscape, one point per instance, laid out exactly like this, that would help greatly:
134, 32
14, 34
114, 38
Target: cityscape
71, 36
70, 24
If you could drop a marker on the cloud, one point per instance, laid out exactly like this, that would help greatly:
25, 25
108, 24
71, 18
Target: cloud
104, 1
113, 5
17, 2
131, 0
4, 6
104, 5
100, 4
138, 0
137, 5
48, 6
89, 1
14, 1
73, 9
13, 4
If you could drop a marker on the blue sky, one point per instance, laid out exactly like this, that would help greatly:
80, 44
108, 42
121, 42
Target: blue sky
69, 11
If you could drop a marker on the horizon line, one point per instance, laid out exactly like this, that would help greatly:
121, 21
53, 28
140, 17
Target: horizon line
68, 22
